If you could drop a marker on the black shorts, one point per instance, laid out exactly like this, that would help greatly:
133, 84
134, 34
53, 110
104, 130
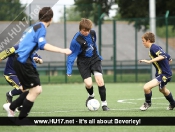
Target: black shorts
27, 74
86, 69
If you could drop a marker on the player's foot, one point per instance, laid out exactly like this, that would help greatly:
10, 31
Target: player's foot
89, 98
105, 108
9, 98
10, 113
145, 106
170, 107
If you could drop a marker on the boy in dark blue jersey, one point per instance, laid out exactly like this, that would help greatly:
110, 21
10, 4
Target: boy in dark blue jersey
10, 74
25, 67
163, 74
84, 48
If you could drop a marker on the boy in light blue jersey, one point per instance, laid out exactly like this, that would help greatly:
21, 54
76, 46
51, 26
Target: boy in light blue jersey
25, 67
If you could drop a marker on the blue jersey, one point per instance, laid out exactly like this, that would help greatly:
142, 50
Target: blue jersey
32, 40
76, 49
162, 66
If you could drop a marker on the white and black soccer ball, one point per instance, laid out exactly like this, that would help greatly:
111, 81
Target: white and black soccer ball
93, 104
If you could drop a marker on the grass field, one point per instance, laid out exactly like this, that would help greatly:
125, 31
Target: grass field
67, 100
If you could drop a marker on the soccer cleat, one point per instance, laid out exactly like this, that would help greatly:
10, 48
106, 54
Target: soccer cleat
170, 107
105, 108
10, 113
89, 98
9, 98
145, 106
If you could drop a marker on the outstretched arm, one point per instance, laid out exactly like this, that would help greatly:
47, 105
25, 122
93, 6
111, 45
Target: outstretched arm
52, 48
153, 60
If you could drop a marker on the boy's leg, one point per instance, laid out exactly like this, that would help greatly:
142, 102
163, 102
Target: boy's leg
10, 108
89, 89
29, 101
102, 89
12, 93
148, 93
14, 82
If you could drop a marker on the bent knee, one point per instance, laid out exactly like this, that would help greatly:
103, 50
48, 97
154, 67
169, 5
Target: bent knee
36, 90
89, 85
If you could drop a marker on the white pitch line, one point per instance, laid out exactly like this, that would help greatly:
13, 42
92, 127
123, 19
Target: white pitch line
126, 100
61, 111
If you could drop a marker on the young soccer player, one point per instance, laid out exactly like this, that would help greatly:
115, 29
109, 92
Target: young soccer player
10, 74
25, 67
84, 48
161, 61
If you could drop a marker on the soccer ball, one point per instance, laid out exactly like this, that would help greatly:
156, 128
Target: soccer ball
93, 104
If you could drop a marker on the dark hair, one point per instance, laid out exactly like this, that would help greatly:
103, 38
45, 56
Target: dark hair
85, 24
45, 14
149, 36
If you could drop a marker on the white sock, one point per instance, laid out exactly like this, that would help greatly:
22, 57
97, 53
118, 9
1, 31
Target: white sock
93, 95
103, 103
10, 93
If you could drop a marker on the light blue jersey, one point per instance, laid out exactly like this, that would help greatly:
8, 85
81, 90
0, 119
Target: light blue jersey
32, 40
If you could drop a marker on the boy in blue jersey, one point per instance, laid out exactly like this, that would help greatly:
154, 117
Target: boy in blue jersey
163, 74
25, 67
84, 48
10, 74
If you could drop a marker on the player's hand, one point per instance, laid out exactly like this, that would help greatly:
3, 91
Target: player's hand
170, 61
146, 61
37, 60
67, 51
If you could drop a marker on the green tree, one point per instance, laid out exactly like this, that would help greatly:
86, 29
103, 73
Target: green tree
128, 9
93, 8
71, 14
11, 10
140, 9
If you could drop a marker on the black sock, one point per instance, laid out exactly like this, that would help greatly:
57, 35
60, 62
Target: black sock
102, 92
90, 91
19, 101
170, 99
27, 105
16, 92
148, 97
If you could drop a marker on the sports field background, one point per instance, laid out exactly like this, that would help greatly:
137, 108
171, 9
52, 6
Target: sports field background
68, 100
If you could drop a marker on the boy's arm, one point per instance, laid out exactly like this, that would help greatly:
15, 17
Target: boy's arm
52, 48
7, 52
160, 57
75, 48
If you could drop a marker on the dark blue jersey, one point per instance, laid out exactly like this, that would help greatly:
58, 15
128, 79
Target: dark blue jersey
32, 40
162, 66
76, 49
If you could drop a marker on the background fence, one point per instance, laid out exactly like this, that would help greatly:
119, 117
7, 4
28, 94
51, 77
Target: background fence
119, 43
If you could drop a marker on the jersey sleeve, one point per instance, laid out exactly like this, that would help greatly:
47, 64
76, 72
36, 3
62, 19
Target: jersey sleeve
41, 40
37, 55
75, 48
5, 53
157, 50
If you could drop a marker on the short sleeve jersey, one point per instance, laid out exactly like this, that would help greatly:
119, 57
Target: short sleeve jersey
162, 66
32, 40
